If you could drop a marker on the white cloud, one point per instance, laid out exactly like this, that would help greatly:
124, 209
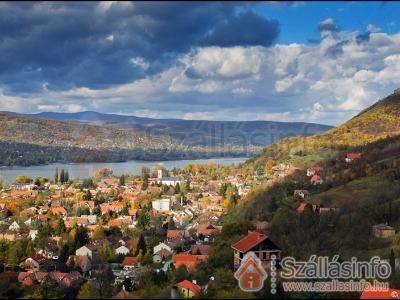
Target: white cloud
327, 82
141, 62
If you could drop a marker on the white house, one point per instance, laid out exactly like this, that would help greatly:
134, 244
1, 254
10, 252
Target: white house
33, 234
122, 250
92, 219
14, 226
161, 246
84, 251
161, 205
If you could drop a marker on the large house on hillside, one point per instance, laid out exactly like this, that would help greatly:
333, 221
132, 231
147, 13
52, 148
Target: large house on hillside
258, 243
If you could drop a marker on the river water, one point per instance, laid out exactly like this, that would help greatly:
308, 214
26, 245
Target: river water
83, 170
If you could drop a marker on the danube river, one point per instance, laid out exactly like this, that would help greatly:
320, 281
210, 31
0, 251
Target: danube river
83, 170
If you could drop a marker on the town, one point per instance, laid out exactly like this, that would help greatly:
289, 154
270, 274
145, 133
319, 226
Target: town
108, 236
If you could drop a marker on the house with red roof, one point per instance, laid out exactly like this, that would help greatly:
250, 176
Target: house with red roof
259, 244
59, 210
316, 179
188, 289
311, 171
352, 156
129, 262
175, 233
188, 260
33, 263
303, 205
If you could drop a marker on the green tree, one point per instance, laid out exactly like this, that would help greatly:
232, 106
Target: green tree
141, 246
122, 180
62, 176
88, 290
56, 176
60, 228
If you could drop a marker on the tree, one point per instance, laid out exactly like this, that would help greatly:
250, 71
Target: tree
48, 289
23, 179
87, 196
88, 290
103, 173
106, 254
56, 178
62, 176
145, 182
141, 246
143, 220
104, 280
122, 180
60, 229
66, 176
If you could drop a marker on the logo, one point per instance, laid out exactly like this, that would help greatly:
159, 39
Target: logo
251, 274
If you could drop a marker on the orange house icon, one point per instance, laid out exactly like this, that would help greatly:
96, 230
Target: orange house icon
251, 275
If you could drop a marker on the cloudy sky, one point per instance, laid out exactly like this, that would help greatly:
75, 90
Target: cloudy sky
294, 61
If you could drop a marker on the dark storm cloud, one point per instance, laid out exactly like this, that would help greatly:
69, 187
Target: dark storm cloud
86, 44
247, 29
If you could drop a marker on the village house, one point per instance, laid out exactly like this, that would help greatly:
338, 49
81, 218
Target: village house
129, 263
316, 180
311, 171
14, 226
85, 251
122, 250
83, 263
33, 263
258, 243
161, 205
352, 156
162, 255
302, 193
190, 261
188, 289
161, 246
383, 231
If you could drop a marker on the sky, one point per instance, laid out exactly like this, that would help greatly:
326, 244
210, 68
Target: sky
318, 62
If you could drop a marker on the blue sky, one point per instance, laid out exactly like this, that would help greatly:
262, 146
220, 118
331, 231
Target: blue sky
295, 61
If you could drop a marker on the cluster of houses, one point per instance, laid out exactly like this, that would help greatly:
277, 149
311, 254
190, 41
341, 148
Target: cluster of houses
195, 218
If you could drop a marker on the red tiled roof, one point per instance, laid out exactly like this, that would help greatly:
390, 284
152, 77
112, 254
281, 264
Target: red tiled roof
251, 240
188, 260
39, 258
174, 233
301, 207
129, 261
186, 284
382, 294
59, 210
315, 178
354, 155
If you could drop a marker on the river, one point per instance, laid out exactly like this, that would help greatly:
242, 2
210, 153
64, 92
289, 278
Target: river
83, 170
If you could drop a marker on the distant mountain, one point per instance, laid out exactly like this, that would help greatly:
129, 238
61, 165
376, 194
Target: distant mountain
197, 132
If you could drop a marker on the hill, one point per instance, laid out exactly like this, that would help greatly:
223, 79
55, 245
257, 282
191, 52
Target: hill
197, 132
26, 140
355, 196
380, 121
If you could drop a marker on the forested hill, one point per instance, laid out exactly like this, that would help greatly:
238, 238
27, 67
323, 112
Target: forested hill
198, 132
26, 140
380, 121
